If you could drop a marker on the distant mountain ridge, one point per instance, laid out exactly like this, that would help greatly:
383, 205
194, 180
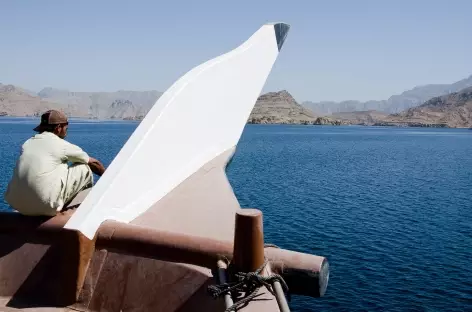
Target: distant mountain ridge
361, 117
273, 107
450, 110
453, 110
15, 101
394, 104
103, 105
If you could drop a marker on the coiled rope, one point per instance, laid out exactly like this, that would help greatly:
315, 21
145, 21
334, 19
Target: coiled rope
249, 283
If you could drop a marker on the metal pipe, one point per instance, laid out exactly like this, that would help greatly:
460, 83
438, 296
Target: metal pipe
304, 274
280, 296
279, 292
222, 279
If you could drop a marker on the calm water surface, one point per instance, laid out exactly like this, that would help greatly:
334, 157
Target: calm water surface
390, 208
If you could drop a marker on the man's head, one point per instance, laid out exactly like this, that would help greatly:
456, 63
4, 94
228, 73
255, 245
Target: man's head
53, 121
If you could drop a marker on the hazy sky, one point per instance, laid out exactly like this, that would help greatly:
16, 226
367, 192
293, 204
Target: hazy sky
335, 50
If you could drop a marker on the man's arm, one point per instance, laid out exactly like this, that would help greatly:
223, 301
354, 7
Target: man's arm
75, 154
96, 166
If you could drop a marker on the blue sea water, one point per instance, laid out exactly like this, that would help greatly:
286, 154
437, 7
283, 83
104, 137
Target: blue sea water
391, 208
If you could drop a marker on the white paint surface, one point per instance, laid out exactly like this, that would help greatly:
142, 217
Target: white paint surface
202, 115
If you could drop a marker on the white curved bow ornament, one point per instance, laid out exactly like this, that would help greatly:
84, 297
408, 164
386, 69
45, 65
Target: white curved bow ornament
198, 119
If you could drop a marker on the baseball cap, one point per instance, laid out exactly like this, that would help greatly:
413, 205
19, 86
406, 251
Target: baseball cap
51, 117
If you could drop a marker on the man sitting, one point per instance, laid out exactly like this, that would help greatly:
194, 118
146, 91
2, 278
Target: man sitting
43, 182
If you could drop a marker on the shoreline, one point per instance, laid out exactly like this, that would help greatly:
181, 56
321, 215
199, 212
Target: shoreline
334, 123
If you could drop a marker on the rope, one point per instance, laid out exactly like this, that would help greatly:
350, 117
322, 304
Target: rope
270, 246
249, 283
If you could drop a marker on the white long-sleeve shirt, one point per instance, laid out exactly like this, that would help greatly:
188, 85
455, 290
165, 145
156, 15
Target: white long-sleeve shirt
39, 178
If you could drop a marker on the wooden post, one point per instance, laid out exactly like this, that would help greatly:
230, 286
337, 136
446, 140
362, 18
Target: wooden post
248, 254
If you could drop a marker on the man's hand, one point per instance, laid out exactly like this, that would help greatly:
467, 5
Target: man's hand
96, 166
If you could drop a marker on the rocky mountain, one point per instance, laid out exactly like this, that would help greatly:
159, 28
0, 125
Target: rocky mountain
395, 104
361, 117
103, 105
273, 107
453, 110
15, 101
279, 107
